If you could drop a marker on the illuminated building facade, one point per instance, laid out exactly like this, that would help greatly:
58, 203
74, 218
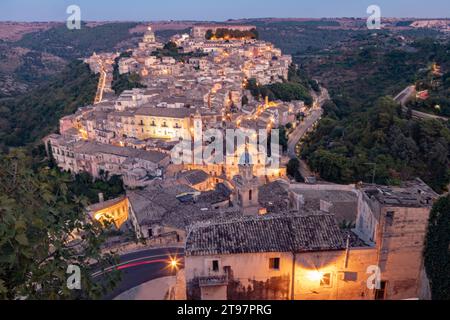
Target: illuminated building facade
113, 211
305, 255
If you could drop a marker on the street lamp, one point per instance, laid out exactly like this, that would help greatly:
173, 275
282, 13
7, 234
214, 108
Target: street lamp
315, 275
173, 263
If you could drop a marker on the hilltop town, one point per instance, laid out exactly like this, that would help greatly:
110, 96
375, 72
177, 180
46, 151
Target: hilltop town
133, 135
249, 231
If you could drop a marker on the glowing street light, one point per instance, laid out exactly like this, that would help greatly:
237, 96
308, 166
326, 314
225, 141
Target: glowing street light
315, 275
173, 263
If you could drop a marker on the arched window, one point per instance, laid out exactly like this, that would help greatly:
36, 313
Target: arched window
250, 195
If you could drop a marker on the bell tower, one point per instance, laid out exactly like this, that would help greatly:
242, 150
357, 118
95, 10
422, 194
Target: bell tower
246, 187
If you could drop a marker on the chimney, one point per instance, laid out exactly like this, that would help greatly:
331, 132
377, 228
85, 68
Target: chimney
101, 198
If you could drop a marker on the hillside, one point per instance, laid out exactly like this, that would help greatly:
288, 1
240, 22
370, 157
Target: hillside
31, 116
365, 133
43, 52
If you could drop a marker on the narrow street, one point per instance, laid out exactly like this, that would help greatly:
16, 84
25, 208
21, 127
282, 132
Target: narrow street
101, 86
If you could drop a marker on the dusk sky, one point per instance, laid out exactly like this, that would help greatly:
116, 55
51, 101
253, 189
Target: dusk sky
144, 10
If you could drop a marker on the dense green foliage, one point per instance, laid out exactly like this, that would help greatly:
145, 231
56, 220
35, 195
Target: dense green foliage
305, 38
295, 88
375, 66
293, 167
302, 36
346, 148
289, 91
283, 136
170, 49
73, 44
437, 253
83, 186
41, 208
28, 118
229, 34
37, 57
361, 131
39, 216
127, 81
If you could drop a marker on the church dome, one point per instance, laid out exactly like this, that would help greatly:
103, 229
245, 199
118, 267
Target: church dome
246, 159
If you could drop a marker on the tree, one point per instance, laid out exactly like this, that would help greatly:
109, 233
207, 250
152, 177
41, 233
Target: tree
292, 167
402, 148
283, 138
43, 230
437, 255
35, 114
209, 34
286, 91
171, 46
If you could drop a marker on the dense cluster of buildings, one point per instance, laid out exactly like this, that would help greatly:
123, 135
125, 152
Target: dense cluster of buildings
308, 255
249, 232
132, 135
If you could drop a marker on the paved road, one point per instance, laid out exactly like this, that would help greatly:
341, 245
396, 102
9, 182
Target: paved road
140, 267
406, 95
308, 123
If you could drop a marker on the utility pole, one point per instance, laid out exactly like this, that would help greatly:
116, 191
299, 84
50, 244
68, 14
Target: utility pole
294, 258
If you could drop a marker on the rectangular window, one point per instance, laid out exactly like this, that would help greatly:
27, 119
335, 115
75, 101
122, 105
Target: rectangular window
274, 263
326, 280
215, 265
390, 218
380, 294
350, 276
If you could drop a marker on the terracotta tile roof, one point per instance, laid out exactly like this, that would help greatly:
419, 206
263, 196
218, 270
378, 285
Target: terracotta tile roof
194, 177
167, 206
105, 204
266, 234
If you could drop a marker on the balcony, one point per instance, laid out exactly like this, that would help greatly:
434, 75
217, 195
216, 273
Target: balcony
213, 281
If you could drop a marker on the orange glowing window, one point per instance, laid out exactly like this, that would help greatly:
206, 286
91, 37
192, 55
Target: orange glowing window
325, 281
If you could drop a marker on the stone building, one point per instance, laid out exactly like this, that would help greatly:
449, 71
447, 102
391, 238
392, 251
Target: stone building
276, 257
163, 210
306, 255
99, 159
113, 211
395, 221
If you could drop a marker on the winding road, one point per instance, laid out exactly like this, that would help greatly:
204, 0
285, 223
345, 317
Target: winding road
306, 126
404, 96
140, 267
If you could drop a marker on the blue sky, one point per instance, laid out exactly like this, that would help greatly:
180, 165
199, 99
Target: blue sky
145, 10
